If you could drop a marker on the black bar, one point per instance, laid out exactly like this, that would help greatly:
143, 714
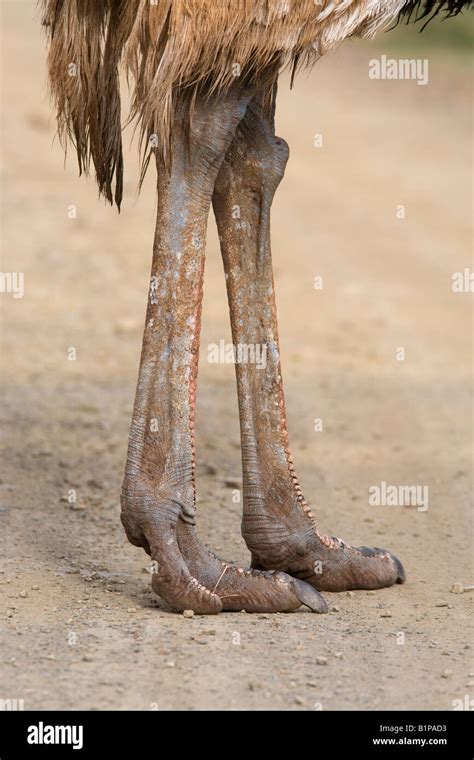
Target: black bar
307, 733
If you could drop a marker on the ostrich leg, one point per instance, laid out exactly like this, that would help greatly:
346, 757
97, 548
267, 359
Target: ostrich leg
278, 525
158, 499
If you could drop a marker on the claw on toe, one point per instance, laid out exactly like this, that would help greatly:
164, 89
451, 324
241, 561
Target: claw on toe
401, 575
309, 596
397, 574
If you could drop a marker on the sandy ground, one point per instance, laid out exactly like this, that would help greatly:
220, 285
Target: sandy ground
80, 627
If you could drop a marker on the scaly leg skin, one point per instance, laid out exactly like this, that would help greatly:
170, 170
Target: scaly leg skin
278, 525
158, 496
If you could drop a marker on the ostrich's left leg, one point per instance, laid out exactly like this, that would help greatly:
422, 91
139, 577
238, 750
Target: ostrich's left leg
278, 525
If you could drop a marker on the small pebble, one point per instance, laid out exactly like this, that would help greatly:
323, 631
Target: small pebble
188, 613
299, 701
232, 483
23, 594
321, 660
386, 614
457, 588
254, 685
446, 674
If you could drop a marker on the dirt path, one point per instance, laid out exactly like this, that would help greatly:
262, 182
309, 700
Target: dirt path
80, 627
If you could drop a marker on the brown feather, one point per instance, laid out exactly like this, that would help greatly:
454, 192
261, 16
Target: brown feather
171, 51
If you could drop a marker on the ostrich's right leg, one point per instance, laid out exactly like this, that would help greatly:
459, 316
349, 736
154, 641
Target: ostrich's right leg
278, 525
158, 499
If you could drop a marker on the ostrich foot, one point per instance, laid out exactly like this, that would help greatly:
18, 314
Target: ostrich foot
240, 588
327, 563
188, 576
